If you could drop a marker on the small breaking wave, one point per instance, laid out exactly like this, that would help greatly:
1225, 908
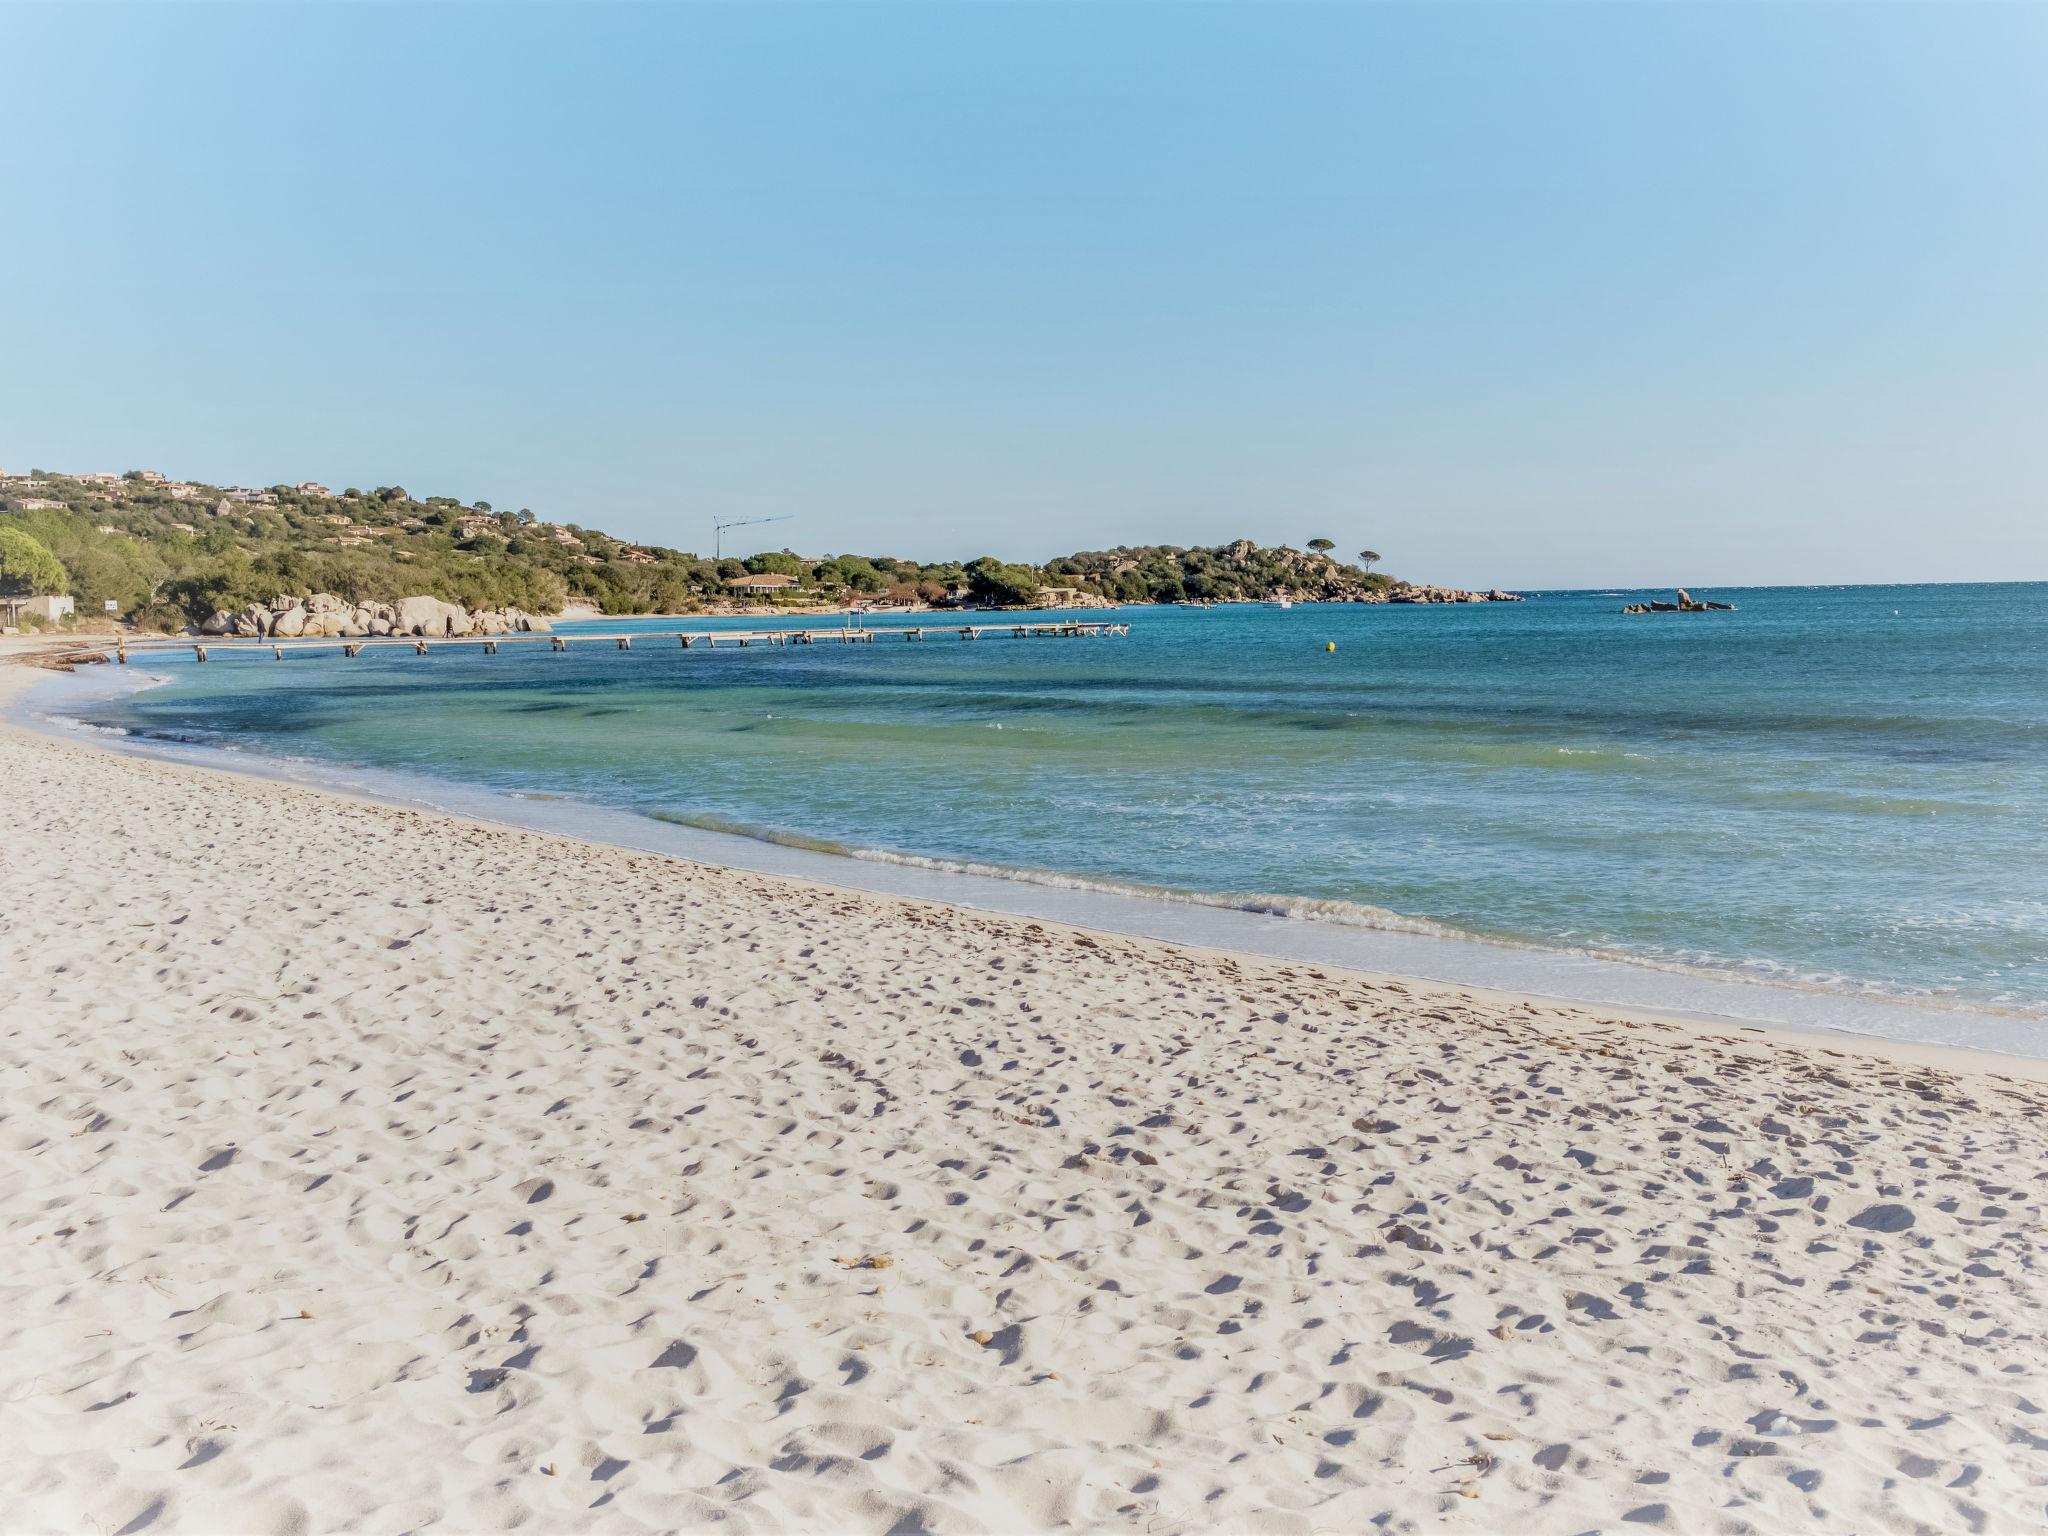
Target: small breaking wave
1350, 914
86, 727
1362, 915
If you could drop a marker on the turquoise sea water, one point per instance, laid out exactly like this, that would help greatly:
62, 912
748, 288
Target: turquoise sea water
1844, 789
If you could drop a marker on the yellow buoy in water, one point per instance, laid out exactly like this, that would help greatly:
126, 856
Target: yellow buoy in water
1331, 646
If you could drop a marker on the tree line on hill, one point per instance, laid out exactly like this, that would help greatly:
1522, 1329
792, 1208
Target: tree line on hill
171, 553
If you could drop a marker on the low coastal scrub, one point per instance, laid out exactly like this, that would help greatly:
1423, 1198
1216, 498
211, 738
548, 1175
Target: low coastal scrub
172, 553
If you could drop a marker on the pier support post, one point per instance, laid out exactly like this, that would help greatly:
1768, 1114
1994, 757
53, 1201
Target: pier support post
419, 647
625, 644
559, 644
351, 650
277, 652
490, 647
199, 652
686, 641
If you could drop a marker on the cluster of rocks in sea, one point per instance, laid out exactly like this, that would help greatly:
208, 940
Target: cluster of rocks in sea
1686, 603
324, 614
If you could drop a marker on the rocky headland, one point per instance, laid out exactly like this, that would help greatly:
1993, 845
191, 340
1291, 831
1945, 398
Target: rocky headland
1403, 592
325, 615
1245, 572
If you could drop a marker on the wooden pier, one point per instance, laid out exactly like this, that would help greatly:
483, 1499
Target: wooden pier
204, 648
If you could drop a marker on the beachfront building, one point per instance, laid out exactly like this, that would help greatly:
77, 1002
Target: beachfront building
49, 607
769, 581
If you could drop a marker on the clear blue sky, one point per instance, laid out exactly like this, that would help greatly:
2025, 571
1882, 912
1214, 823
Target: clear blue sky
1530, 295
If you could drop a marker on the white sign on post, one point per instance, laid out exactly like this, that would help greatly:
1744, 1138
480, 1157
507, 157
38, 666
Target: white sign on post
113, 606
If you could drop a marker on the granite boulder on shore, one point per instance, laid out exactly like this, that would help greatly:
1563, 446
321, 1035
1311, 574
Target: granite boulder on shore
325, 615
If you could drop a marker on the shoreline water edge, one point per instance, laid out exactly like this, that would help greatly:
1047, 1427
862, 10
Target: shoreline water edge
1268, 927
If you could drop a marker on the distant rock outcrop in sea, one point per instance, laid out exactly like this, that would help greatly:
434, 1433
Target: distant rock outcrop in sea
1686, 603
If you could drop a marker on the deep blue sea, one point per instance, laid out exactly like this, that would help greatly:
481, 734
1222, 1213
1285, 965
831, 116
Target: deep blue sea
1839, 790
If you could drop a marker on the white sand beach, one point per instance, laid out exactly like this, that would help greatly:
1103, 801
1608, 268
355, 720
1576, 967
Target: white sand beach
367, 1169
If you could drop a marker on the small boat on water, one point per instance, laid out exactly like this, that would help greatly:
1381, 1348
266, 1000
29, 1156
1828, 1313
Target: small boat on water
1281, 602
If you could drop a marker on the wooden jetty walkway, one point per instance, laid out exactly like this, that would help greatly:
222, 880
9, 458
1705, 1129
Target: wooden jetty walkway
204, 648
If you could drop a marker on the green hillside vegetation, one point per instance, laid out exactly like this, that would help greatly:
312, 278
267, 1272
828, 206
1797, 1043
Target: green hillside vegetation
27, 568
169, 554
